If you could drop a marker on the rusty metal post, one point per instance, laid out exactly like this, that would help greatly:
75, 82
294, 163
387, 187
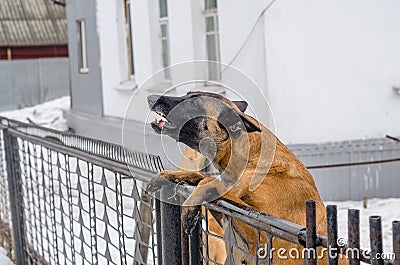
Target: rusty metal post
170, 229
396, 242
158, 228
332, 231
311, 236
353, 224
375, 234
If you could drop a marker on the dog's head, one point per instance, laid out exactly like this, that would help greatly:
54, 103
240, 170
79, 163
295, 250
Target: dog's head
199, 117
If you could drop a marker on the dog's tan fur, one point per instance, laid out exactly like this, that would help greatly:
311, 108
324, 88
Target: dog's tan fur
282, 191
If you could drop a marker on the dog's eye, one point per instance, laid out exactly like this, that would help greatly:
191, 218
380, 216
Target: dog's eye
244, 262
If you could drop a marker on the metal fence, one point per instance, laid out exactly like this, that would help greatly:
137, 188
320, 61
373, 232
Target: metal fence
351, 170
67, 199
73, 200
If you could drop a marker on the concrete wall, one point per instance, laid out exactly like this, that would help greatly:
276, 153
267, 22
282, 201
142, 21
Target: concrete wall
86, 96
27, 83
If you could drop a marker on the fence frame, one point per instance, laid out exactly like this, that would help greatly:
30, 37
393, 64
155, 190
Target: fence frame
13, 130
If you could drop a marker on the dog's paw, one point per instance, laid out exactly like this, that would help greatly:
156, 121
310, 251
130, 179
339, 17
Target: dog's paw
172, 177
190, 217
164, 178
156, 183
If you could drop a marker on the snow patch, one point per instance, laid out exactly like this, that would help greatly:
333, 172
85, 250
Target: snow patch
48, 114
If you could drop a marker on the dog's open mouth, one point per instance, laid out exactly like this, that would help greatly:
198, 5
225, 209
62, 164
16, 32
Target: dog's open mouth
163, 123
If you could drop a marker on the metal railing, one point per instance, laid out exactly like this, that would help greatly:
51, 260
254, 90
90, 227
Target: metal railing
196, 248
73, 200
68, 199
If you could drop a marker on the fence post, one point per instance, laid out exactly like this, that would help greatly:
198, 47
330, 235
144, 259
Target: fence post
311, 236
158, 228
375, 234
396, 242
353, 224
15, 190
332, 231
191, 245
170, 229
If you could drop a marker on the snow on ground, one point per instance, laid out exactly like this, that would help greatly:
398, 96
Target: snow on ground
4, 259
48, 114
388, 209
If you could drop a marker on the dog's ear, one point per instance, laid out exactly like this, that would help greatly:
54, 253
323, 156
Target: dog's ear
242, 105
235, 121
250, 126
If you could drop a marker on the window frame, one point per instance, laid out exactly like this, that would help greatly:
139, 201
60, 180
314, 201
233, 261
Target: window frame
163, 22
83, 65
129, 40
212, 13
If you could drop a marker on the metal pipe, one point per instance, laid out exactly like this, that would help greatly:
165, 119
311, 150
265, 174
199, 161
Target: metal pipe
311, 226
332, 231
355, 163
393, 138
158, 227
170, 229
283, 229
353, 224
396, 242
375, 233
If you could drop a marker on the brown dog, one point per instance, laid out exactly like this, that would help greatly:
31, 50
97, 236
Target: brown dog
256, 169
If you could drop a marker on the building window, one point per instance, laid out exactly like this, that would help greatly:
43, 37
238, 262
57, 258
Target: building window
129, 38
164, 37
82, 51
212, 39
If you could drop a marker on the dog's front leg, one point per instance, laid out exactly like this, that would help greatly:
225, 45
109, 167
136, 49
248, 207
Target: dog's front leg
174, 177
208, 190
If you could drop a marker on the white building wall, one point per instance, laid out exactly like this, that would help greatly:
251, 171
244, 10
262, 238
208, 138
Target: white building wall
181, 31
110, 16
236, 21
327, 67
242, 41
331, 68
